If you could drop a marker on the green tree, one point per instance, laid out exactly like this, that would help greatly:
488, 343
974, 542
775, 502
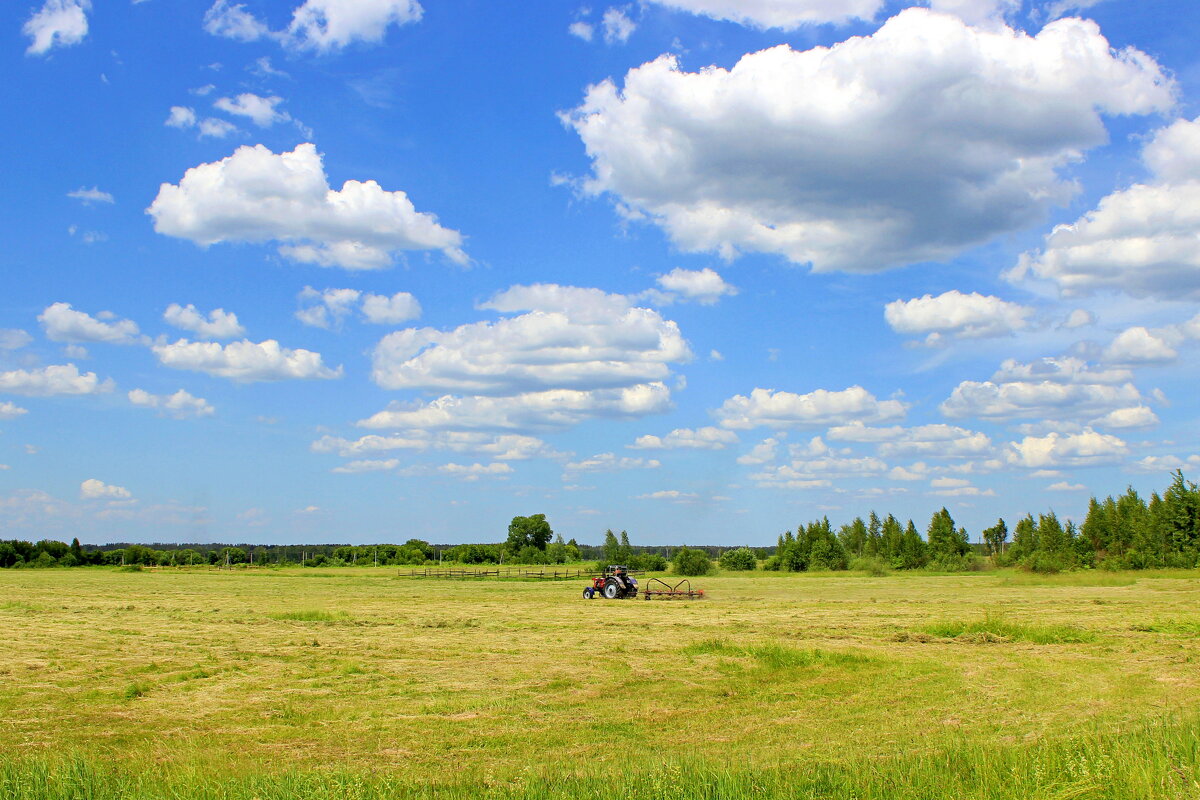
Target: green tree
741, 559
913, 551
533, 531
691, 562
995, 537
612, 548
946, 543
625, 552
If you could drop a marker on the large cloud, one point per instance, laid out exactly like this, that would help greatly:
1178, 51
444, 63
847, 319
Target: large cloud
1144, 240
548, 410
952, 313
52, 380
576, 339
1049, 389
914, 143
936, 441
59, 23
256, 195
783, 14
1082, 449
244, 361
767, 407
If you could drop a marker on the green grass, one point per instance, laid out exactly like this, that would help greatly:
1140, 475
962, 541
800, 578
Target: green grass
1173, 627
205, 683
1158, 761
999, 629
772, 655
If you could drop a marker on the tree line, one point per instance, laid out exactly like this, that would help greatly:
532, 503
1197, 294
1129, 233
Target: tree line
1125, 532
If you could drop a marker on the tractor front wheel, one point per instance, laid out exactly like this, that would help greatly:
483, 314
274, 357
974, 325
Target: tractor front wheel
588, 593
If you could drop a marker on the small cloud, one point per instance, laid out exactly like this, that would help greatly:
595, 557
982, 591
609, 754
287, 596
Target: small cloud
582, 30
1063, 486
93, 489
181, 117
617, 25
89, 196
11, 410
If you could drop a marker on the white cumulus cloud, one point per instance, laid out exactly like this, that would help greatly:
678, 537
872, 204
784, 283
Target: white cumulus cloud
244, 361
707, 438
1138, 346
952, 313
914, 143
777, 409
64, 324
219, 324
618, 27
381, 309
52, 380
783, 14
261, 111
473, 472
256, 195
1082, 449
705, 286
93, 489
11, 410
318, 25
1143, 240
58, 23
561, 343
548, 410
180, 405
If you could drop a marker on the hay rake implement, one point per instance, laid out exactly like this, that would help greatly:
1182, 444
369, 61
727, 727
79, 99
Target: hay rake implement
656, 589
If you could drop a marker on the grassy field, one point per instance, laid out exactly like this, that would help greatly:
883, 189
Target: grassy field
357, 683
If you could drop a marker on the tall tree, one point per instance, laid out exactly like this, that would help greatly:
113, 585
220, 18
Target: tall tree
533, 531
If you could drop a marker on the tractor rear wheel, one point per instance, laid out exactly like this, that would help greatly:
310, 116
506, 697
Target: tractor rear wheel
612, 590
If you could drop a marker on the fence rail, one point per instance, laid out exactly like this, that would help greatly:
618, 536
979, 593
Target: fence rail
512, 573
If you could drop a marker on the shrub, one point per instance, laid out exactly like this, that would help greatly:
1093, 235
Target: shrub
741, 559
773, 564
872, 565
649, 562
691, 562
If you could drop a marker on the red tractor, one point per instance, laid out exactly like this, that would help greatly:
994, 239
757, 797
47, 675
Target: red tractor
615, 583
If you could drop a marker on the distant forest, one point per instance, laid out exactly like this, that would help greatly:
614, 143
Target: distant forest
1125, 532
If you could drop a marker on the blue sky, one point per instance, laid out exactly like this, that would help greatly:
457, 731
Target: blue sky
337, 270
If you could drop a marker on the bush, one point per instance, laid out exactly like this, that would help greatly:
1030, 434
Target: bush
530, 555
741, 560
773, 564
872, 565
691, 562
648, 562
